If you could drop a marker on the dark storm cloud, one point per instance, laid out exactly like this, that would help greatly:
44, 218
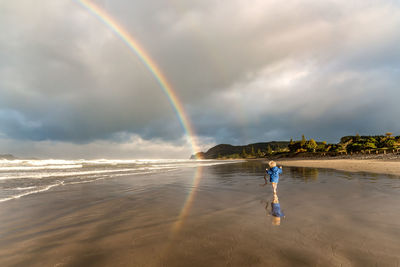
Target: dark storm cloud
244, 72
74, 81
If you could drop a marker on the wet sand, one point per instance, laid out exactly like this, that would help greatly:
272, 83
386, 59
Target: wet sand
333, 218
351, 165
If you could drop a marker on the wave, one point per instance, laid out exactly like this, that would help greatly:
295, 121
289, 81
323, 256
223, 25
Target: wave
59, 183
80, 173
20, 178
39, 162
42, 162
49, 167
39, 175
32, 192
23, 188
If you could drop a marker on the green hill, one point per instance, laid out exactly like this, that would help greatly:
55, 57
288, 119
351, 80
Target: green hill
246, 151
348, 145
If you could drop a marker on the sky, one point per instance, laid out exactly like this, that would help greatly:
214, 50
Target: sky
244, 72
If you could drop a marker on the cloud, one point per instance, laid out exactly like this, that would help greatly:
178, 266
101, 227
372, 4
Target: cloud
244, 73
131, 147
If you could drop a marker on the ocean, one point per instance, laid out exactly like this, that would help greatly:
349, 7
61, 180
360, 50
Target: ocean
19, 178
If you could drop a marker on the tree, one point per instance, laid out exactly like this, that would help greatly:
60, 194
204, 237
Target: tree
259, 154
335, 148
346, 139
369, 145
303, 141
357, 138
390, 143
295, 146
354, 147
244, 154
311, 145
269, 150
253, 153
321, 148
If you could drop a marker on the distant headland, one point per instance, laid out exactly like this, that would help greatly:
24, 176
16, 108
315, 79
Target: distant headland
7, 157
349, 146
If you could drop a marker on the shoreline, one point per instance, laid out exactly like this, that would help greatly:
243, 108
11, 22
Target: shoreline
379, 166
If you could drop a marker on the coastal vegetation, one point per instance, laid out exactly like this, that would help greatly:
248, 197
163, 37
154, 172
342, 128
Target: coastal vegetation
348, 145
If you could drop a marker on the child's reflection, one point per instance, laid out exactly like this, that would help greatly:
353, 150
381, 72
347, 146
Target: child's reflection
276, 211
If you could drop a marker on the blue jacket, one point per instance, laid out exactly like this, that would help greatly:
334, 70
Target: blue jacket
274, 174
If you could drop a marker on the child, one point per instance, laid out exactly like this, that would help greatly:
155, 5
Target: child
273, 175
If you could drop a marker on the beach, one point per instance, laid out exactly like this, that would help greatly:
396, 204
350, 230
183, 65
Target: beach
351, 165
217, 215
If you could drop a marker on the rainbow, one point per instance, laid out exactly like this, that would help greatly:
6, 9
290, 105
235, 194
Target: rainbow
149, 64
167, 89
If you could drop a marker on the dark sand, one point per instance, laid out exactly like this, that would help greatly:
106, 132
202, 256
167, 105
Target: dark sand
332, 218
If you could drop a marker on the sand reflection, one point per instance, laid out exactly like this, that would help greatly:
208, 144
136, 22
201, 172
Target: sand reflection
274, 210
306, 174
204, 217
